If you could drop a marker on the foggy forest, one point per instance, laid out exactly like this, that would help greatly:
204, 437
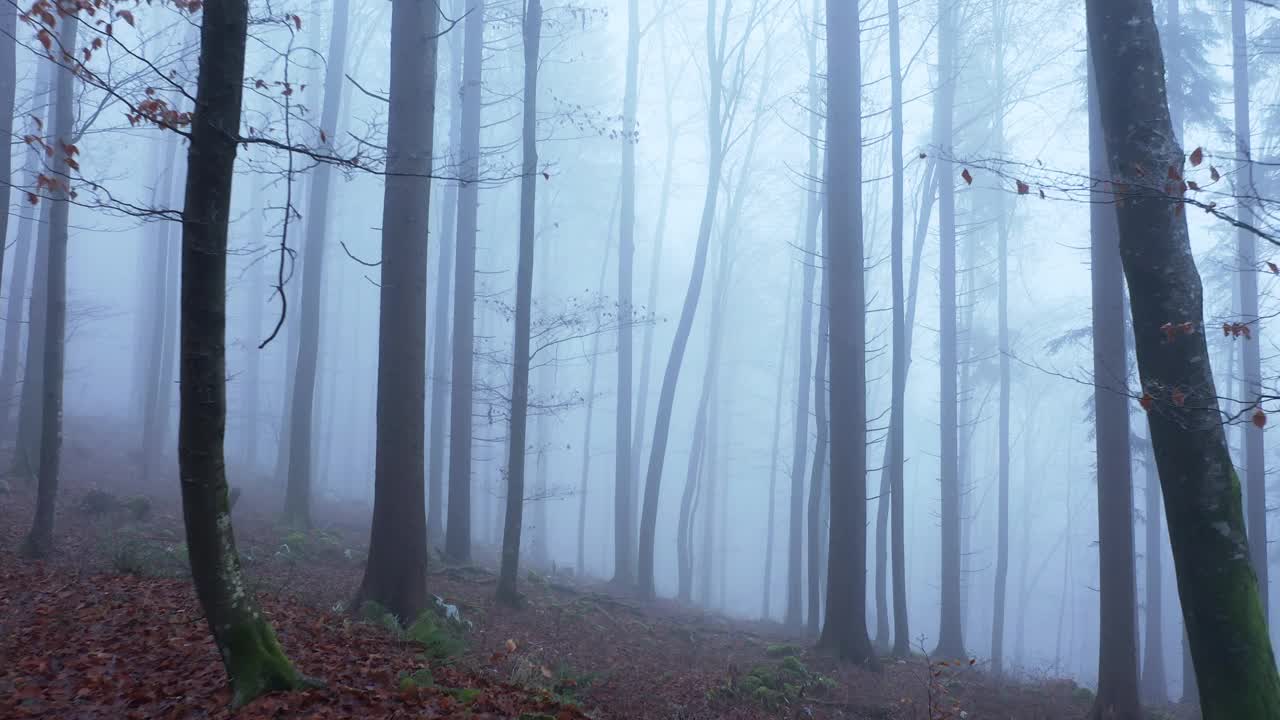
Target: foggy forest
865, 359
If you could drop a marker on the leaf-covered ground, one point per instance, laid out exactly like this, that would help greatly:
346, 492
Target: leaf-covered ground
109, 628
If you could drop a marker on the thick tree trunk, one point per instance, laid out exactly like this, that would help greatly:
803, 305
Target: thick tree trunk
250, 652
297, 501
457, 542
1225, 619
804, 383
443, 332
395, 574
951, 638
516, 442
1117, 697
39, 541
623, 531
845, 629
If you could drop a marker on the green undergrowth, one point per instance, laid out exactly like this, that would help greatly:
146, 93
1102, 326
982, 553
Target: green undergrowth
775, 685
441, 637
561, 681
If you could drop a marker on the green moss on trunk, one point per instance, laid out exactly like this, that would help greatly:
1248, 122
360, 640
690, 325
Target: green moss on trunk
255, 661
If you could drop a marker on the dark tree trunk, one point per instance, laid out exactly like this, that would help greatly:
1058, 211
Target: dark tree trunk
1117, 697
297, 502
395, 574
26, 455
250, 652
951, 638
457, 542
516, 440
845, 629
8, 89
1221, 604
39, 541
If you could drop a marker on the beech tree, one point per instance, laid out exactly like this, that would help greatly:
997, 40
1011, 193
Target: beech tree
516, 441
395, 574
253, 658
1221, 604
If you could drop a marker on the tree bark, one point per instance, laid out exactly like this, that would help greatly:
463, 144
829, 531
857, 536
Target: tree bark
516, 441
813, 512
457, 542
395, 574
1222, 607
252, 656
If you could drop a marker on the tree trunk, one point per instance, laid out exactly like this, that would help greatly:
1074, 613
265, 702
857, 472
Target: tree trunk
297, 502
250, 652
395, 574
951, 638
777, 437
1222, 607
1154, 687
804, 383
39, 542
1255, 460
998, 20
440, 366
253, 359
813, 513
457, 543
516, 442
1117, 697
8, 90
666, 398
845, 629
623, 532
26, 455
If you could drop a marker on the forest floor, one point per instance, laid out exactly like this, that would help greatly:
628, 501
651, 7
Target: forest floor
109, 628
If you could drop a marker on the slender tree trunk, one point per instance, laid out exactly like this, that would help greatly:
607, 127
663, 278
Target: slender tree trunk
8, 91
458, 529
39, 542
440, 365
253, 359
1221, 602
246, 643
395, 574
1255, 460
27, 447
804, 383
524, 301
951, 639
783, 352
666, 398
297, 503
1155, 689
818, 476
15, 309
1117, 697
623, 531
998, 20
160, 314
